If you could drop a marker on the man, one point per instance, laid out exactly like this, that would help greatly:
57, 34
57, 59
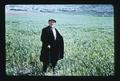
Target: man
52, 46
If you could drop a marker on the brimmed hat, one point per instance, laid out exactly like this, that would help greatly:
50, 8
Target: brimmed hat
51, 20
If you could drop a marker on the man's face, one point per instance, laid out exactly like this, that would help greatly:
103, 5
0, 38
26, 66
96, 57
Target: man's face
52, 23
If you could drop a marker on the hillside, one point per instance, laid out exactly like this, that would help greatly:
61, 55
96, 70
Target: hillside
96, 10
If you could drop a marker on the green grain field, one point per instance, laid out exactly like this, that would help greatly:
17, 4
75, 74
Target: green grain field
88, 41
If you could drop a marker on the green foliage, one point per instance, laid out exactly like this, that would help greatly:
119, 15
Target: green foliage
88, 41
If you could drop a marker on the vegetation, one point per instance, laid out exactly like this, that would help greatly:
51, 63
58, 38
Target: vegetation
88, 41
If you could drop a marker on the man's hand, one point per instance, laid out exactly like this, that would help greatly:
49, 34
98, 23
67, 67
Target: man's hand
49, 46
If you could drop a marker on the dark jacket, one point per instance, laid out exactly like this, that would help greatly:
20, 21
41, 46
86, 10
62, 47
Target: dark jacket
56, 51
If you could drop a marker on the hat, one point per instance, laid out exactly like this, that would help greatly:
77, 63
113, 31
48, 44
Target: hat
51, 20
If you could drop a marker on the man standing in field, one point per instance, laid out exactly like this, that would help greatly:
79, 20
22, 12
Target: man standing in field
52, 46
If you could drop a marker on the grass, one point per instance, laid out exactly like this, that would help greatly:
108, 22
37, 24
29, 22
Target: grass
88, 41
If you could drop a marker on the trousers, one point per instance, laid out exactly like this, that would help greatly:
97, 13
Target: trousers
46, 64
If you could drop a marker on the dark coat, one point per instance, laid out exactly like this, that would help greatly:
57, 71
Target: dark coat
56, 51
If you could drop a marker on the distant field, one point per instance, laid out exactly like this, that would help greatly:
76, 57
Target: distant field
88, 41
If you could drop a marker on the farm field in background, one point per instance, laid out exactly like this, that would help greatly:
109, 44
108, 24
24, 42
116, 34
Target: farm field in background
88, 42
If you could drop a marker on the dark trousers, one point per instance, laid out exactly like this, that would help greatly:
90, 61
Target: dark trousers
46, 64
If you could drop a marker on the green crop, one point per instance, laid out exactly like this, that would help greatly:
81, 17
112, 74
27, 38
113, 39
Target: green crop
88, 41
